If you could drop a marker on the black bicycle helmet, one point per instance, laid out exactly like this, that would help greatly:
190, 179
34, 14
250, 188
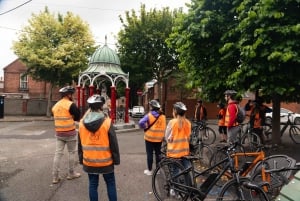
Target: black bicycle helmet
180, 108
154, 104
67, 90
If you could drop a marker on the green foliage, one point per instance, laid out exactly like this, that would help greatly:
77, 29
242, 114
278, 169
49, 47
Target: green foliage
55, 49
142, 47
240, 44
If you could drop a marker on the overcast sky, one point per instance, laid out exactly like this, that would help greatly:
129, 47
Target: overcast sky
101, 15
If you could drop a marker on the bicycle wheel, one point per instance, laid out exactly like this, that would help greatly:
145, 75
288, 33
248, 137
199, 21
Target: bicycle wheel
238, 191
208, 135
275, 184
295, 134
204, 154
163, 181
251, 142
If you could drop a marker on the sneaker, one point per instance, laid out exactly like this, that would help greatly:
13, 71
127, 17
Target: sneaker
73, 176
148, 172
55, 180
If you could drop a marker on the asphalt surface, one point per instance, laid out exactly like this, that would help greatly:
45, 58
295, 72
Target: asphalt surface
27, 147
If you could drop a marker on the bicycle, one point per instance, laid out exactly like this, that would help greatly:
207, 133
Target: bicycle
242, 162
199, 149
207, 134
271, 164
172, 176
294, 130
248, 139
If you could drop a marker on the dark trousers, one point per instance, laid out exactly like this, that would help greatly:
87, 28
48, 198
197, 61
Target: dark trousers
150, 148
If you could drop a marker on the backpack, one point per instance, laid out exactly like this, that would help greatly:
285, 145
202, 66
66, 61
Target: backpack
240, 115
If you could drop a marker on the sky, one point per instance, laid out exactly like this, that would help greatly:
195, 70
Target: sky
101, 15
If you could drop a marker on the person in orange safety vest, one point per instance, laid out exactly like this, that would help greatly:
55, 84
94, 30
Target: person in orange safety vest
98, 148
65, 113
178, 133
221, 122
154, 125
231, 113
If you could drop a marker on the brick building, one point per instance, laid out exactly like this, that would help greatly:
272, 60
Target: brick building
172, 93
23, 95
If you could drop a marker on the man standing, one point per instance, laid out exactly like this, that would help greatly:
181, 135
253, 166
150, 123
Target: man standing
65, 114
200, 112
154, 125
231, 114
98, 148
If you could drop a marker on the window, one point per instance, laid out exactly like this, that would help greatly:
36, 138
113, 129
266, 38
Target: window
23, 81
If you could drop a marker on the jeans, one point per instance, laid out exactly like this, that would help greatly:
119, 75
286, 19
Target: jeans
110, 186
150, 147
71, 143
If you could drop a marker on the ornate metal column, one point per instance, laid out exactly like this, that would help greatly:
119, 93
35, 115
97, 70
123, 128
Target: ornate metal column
91, 88
113, 103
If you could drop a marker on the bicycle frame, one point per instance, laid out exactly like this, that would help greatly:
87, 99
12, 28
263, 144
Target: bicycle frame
203, 190
259, 156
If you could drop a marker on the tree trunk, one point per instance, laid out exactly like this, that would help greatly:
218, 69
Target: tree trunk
276, 136
48, 114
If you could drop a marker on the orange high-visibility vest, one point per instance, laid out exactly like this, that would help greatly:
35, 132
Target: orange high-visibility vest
95, 146
63, 120
157, 130
222, 112
179, 146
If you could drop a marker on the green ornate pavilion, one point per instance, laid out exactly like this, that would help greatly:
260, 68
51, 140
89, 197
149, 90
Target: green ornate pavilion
104, 66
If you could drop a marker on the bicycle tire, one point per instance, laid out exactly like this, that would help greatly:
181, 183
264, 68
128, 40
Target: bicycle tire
251, 142
204, 154
230, 191
162, 181
275, 184
219, 155
208, 135
295, 134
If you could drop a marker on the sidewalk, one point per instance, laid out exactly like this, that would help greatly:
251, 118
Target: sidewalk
16, 118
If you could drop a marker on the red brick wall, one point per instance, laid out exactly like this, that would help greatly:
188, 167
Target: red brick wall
36, 89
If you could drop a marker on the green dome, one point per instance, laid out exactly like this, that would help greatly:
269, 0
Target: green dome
105, 55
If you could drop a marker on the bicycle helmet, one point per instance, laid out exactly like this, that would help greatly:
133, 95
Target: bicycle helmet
96, 98
67, 90
96, 101
230, 92
180, 108
154, 104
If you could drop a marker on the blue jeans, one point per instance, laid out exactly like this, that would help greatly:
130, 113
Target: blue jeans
110, 186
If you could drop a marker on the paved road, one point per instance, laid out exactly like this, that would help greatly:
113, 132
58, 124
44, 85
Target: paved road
26, 154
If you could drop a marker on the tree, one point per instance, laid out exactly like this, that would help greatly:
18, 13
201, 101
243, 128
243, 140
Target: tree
197, 37
269, 52
241, 44
142, 47
54, 49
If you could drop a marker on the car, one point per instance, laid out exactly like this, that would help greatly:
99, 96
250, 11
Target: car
138, 111
295, 117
